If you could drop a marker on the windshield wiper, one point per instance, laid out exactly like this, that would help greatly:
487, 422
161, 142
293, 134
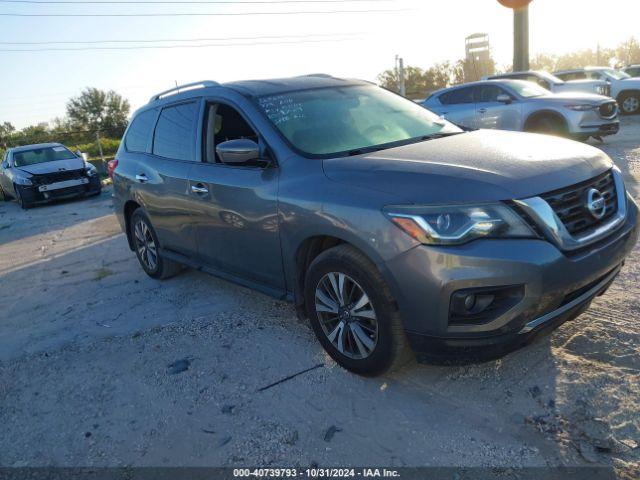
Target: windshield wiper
361, 151
439, 135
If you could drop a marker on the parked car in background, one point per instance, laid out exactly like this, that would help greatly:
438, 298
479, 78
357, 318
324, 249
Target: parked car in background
555, 84
632, 70
34, 174
524, 106
624, 88
387, 226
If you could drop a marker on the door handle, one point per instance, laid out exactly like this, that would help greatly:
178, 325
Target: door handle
482, 110
142, 178
199, 189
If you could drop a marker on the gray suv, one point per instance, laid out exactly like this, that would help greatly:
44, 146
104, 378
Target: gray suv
390, 229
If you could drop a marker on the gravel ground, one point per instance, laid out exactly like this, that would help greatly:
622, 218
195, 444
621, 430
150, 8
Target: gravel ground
102, 366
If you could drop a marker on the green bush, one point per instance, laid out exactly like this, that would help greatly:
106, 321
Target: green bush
109, 147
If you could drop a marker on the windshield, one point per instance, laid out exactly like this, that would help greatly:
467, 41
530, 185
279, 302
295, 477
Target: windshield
41, 155
549, 77
615, 74
528, 89
347, 120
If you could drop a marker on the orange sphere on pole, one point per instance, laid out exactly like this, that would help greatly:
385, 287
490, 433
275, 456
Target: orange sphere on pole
515, 4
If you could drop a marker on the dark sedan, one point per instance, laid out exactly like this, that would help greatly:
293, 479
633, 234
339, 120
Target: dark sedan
41, 173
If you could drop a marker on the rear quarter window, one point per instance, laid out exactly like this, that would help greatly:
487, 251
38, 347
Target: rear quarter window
139, 131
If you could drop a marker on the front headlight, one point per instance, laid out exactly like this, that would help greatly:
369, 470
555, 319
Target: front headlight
456, 224
22, 180
581, 107
90, 169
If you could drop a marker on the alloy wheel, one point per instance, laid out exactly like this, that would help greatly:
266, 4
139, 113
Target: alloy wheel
145, 245
631, 104
346, 315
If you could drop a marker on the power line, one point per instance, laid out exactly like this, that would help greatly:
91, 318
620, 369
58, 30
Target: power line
206, 45
161, 40
194, 2
210, 14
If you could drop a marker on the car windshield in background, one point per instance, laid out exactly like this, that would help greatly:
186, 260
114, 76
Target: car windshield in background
41, 155
528, 89
349, 120
551, 78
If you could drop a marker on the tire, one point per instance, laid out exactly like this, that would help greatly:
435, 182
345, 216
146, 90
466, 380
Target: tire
386, 347
146, 245
3, 196
580, 138
547, 124
629, 103
21, 201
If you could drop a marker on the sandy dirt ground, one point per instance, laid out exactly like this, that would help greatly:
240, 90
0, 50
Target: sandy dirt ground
102, 366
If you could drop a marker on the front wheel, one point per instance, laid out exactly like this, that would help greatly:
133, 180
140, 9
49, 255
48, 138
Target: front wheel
353, 313
629, 103
146, 245
24, 204
547, 124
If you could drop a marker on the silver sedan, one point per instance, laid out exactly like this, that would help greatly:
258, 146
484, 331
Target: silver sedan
524, 106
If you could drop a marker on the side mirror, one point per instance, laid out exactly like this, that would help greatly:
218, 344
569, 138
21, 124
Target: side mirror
78, 153
504, 98
238, 151
5, 165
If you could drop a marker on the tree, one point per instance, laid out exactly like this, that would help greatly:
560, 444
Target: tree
628, 53
544, 61
414, 81
6, 129
96, 109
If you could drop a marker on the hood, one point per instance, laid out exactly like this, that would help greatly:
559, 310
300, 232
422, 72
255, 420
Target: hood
585, 81
51, 167
573, 96
479, 166
631, 82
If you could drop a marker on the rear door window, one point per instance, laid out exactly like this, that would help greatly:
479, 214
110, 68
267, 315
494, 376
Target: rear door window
488, 93
458, 96
139, 131
175, 135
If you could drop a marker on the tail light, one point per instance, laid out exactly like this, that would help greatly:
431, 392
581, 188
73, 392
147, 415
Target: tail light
111, 166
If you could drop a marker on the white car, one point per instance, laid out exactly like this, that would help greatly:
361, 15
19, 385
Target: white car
632, 70
557, 85
624, 88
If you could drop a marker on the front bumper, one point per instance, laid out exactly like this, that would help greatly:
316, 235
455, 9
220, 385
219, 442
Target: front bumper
591, 123
601, 130
557, 286
32, 195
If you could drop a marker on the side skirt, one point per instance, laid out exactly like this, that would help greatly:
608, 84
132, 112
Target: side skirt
272, 292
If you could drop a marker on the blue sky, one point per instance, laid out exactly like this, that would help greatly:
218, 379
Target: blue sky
34, 86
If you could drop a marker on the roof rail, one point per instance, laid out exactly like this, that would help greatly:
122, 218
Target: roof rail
320, 75
189, 86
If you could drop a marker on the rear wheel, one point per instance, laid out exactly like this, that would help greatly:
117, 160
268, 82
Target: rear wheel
146, 245
547, 124
353, 313
629, 103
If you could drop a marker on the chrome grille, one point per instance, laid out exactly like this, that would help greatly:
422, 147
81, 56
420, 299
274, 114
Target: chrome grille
608, 109
570, 204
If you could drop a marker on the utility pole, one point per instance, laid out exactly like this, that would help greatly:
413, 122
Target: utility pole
520, 32
521, 39
99, 146
401, 86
